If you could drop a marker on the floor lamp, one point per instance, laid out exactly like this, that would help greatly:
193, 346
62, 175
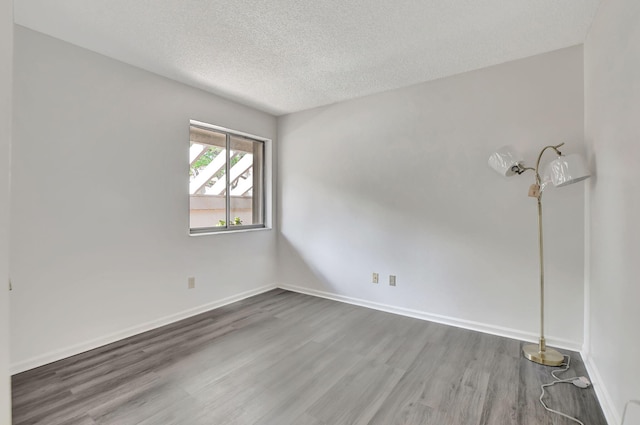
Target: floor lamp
562, 171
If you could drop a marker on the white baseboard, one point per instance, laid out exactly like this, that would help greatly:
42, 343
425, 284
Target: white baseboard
606, 403
445, 320
134, 330
144, 327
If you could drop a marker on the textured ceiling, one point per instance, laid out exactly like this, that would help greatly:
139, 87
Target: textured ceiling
284, 56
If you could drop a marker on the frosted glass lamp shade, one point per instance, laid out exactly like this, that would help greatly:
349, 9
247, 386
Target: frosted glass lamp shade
503, 160
566, 170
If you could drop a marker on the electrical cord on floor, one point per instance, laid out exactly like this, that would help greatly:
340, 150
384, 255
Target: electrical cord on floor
580, 382
624, 412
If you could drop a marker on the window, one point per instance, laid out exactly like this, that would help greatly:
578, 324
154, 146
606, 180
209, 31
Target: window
226, 180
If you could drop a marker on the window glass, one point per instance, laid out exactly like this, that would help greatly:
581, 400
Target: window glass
226, 181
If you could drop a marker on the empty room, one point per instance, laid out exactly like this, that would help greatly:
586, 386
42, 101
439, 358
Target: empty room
319, 213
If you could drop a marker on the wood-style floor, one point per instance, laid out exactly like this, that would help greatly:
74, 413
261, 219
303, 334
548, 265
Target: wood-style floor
284, 358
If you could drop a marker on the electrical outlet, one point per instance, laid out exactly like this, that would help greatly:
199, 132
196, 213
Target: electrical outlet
192, 283
392, 280
375, 278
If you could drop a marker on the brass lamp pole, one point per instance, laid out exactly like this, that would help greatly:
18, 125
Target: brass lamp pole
539, 353
562, 171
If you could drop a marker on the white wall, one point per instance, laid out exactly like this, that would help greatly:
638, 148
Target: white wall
6, 64
89, 128
612, 105
398, 183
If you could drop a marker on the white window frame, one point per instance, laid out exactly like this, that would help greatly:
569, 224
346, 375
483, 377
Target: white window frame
267, 185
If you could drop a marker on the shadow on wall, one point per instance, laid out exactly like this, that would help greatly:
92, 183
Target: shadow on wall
295, 270
447, 259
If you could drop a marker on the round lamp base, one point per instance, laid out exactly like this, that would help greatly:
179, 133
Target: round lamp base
548, 357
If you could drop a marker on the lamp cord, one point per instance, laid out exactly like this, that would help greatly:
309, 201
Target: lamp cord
570, 381
559, 381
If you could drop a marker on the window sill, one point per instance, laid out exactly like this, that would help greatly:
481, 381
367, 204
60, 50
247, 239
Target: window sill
226, 232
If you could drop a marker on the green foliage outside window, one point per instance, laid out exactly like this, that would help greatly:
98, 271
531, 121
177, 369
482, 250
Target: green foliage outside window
205, 159
236, 222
